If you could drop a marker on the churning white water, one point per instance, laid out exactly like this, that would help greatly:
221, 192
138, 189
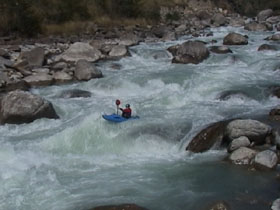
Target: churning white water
81, 161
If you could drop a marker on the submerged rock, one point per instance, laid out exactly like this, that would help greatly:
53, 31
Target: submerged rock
208, 137
18, 107
267, 47
220, 49
75, 93
120, 207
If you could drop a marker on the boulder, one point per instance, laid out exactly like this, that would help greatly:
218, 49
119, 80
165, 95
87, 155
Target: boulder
242, 156
219, 20
5, 63
274, 37
267, 47
242, 141
220, 49
7, 84
34, 57
255, 27
120, 207
275, 113
230, 94
18, 107
220, 205
189, 52
85, 71
235, 39
39, 79
62, 77
273, 19
256, 131
80, 51
118, 51
266, 160
59, 66
276, 204
75, 93
208, 137
264, 14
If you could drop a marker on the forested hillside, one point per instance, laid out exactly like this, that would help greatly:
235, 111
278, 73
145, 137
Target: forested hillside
30, 17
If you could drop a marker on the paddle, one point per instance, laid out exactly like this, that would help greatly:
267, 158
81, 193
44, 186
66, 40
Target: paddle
118, 102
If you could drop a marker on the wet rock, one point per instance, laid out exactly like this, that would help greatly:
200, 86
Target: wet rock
5, 63
4, 53
80, 51
220, 205
274, 37
275, 113
39, 79
242, 156
219, 20
189, 52
235, 39
208, 137
75, 93
62, 77
85, 71
23, 107
266, 160
242, 141
120, 207
276, 204
267, 47
59, 66
220, 49
236, 22
264, 14
227, 95
255, 27
273, 20
118, 51
256, 131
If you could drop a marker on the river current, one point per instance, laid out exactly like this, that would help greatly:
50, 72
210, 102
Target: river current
81, 161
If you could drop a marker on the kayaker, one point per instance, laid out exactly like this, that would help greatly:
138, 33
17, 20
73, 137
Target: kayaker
126, 113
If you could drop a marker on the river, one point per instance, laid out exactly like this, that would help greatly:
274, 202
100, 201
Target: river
81, 161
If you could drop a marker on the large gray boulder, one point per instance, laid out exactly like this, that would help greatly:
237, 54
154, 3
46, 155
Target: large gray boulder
266, 160
118, 51
274, 37
264, 14
254, 130
80, 50
62, 77
39, 79
85, 71
254, 26
189, 52
242, 156
235, 39
18, 107
219, 19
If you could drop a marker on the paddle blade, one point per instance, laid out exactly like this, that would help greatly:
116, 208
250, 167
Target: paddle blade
118, 102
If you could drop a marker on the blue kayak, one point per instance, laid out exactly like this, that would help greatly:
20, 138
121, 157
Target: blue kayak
117, 118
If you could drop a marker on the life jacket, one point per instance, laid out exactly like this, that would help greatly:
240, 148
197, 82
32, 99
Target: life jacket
126, 113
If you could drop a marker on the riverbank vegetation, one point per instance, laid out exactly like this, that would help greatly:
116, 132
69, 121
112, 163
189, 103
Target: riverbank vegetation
30, 17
